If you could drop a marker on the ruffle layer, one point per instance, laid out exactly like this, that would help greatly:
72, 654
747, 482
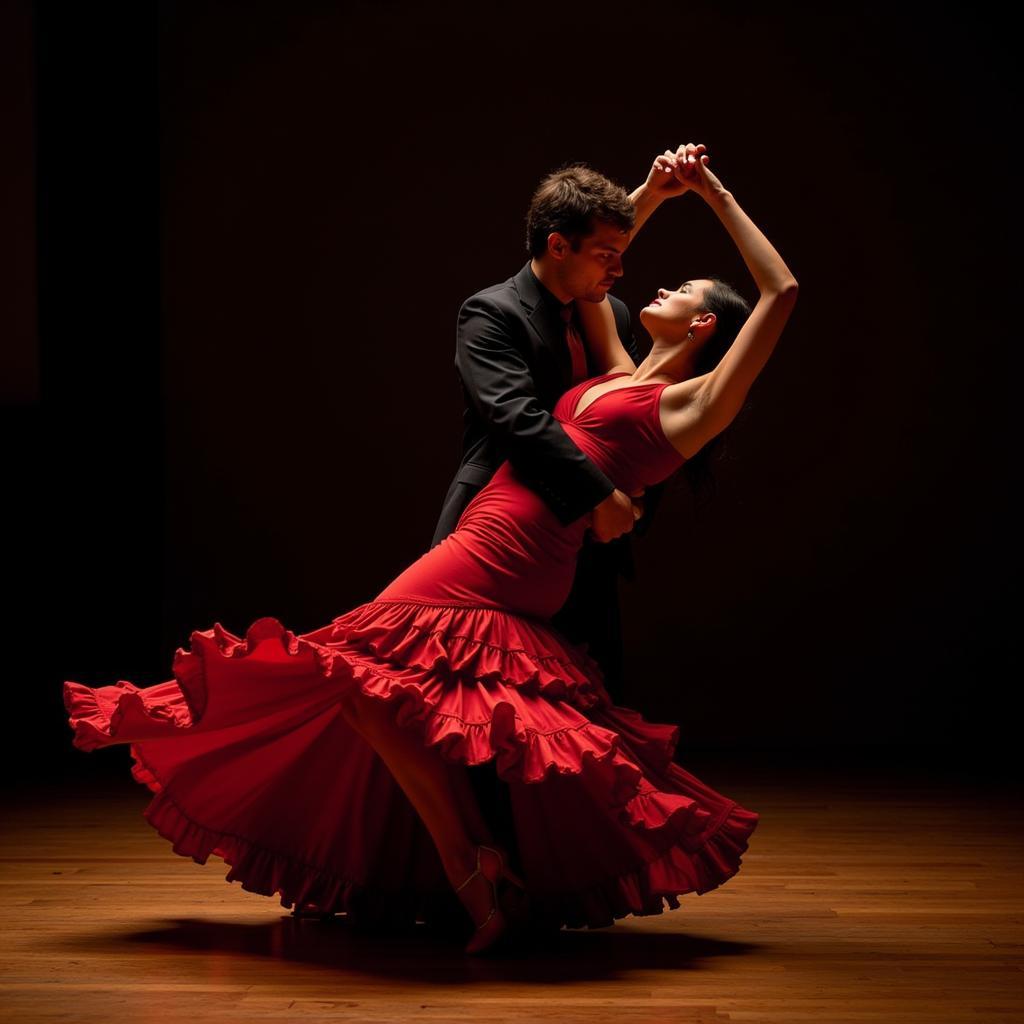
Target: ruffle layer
645, 891
269, 872
509, 672
474, 642
480, 684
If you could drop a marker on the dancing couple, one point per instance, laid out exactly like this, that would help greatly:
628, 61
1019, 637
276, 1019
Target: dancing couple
359, 768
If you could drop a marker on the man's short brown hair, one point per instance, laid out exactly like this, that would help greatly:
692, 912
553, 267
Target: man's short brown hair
569, 200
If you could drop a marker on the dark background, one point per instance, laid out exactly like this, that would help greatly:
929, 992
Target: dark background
246, 404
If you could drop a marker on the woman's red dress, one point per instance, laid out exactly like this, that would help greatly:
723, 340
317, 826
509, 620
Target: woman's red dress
250, 758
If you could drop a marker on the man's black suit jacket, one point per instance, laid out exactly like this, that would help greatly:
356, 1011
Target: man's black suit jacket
513, 364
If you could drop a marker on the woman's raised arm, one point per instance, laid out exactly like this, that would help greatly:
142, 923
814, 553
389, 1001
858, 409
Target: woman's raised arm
721, 392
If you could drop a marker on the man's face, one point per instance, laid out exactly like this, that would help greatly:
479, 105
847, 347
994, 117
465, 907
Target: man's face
590, 272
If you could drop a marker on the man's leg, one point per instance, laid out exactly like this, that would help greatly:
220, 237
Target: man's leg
591, 615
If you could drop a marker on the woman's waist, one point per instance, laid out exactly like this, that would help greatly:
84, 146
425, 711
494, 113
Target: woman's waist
509, 534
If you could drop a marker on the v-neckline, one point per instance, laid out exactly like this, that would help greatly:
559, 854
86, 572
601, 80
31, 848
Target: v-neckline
578, 412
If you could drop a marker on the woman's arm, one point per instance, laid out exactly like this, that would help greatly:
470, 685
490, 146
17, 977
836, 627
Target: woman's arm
713, 401
607, 353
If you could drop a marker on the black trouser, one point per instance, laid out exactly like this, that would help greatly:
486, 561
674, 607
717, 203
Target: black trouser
591, 614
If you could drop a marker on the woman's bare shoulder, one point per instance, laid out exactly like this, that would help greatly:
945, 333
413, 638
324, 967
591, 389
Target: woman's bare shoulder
681, 418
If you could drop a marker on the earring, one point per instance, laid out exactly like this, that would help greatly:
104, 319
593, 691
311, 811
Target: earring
689, 335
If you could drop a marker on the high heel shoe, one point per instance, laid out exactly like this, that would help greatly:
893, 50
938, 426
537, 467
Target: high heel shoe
495, 925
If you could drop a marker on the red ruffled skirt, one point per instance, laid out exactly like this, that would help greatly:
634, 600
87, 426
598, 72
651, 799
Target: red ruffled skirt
250, 758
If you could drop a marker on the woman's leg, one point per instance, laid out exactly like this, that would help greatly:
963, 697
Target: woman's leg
439, 790
444, 798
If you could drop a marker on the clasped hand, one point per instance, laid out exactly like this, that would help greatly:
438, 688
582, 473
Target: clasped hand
685, 170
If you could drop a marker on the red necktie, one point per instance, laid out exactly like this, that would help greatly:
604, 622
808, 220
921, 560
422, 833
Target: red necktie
575, 343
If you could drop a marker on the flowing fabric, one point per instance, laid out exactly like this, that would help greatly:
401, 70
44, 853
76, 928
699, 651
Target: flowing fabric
249, 757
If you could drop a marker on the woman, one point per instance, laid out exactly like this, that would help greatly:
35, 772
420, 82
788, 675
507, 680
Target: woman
331, 767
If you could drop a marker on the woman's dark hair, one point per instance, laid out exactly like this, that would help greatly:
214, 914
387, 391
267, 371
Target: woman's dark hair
568, 200
731, 312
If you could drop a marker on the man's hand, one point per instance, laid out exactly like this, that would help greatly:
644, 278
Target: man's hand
668, 175
638, 503
615, 515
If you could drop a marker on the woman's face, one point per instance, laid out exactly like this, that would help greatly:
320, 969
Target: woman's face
675, 310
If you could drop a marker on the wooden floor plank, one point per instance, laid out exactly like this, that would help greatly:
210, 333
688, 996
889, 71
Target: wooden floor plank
861, 898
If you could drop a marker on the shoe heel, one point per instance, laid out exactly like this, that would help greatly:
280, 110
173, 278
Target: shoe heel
504, 871
497, 875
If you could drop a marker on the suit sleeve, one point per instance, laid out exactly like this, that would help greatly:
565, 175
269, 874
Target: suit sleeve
500, 386
654, 493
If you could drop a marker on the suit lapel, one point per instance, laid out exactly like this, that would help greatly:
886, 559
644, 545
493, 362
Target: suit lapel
544, 320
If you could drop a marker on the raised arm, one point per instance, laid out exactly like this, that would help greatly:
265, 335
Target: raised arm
711, 402
664, 180
501, 388
607, 353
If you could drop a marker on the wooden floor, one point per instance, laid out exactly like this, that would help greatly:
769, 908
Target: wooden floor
865, 896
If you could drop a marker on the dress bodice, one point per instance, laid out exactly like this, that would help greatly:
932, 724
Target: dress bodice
621, 431
509, 550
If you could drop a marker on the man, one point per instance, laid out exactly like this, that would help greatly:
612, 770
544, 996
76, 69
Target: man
519, 348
